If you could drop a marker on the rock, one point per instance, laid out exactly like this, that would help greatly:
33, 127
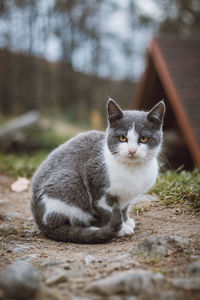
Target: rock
7, 229
51, 263
29, 233
187, 284
79, 298
20, 281
161, 245
194, 268
13, 214
124, 298
132, 282
21, 248
89, 259
167, 295
28, 258
20, 185
56, 276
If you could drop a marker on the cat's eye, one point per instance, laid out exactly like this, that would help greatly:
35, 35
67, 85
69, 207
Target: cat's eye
143, 139
123, 138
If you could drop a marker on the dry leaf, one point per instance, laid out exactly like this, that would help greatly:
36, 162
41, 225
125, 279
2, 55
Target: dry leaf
20, 185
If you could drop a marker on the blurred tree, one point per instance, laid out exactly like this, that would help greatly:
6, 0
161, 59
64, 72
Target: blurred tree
77, 26
181, 17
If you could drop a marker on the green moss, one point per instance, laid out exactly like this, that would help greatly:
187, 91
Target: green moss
179, 187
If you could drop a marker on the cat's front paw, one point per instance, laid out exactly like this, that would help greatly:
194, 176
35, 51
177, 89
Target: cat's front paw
131, 223
125, 230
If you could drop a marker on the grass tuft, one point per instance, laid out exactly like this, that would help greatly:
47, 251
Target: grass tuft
179, 187
23, 165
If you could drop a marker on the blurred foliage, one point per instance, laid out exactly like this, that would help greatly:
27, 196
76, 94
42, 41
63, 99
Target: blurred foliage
176, 17
175, 187
27, 155
20, 165
181, 17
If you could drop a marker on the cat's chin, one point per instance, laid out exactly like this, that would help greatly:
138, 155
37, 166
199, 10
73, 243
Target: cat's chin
128, 160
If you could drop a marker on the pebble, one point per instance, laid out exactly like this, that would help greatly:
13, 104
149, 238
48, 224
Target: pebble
50, 263
20, 281
120, 298
79, 298
133, 282
56, 276
89, 259
167, 295
13, 214
23, 248
194, 268
187, 284
20, 249
28, 258
161, 245
7, 229
29, 233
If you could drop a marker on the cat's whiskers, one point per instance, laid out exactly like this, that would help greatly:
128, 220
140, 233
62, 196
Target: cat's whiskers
164, 163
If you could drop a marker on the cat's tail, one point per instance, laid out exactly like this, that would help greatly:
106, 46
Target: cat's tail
88, 235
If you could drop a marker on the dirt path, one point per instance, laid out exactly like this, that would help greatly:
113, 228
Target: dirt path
49, 256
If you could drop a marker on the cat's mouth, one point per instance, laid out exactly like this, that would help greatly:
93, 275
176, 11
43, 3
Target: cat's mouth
133, 157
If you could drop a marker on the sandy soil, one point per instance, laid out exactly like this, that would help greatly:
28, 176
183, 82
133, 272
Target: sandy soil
47, 256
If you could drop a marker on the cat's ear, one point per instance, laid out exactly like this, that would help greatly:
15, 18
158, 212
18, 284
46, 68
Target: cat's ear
113, 110
157, 113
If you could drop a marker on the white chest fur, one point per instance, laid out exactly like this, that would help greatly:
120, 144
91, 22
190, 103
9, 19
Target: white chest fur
129, 181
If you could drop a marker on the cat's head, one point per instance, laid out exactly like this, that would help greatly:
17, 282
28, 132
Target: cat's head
134, 137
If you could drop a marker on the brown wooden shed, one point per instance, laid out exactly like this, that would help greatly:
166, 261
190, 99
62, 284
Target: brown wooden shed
173, 73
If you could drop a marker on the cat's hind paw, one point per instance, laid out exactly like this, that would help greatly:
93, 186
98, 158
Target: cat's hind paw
125, 230
131, 223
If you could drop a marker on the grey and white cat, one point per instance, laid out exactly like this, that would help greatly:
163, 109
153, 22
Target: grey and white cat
82, 191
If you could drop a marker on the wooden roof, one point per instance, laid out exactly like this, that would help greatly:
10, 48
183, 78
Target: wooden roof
176, 63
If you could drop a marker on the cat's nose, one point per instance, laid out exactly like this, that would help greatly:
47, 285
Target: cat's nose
132, 151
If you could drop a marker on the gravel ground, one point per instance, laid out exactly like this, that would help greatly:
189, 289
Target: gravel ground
69, 271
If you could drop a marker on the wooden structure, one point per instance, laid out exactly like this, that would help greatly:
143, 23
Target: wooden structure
173, 74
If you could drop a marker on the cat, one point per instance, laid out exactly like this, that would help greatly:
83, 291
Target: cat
82, 192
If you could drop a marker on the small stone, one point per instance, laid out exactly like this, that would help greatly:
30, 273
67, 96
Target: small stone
7, 229
194, 257
120, 298
20, 185
133, 282
89, 259
13, 214
20, 249
194, 268
167, 295
28, 258
51, 263
161, 245
79, 298
187, 284
20, 281
29, 233
56, 276
66, 267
